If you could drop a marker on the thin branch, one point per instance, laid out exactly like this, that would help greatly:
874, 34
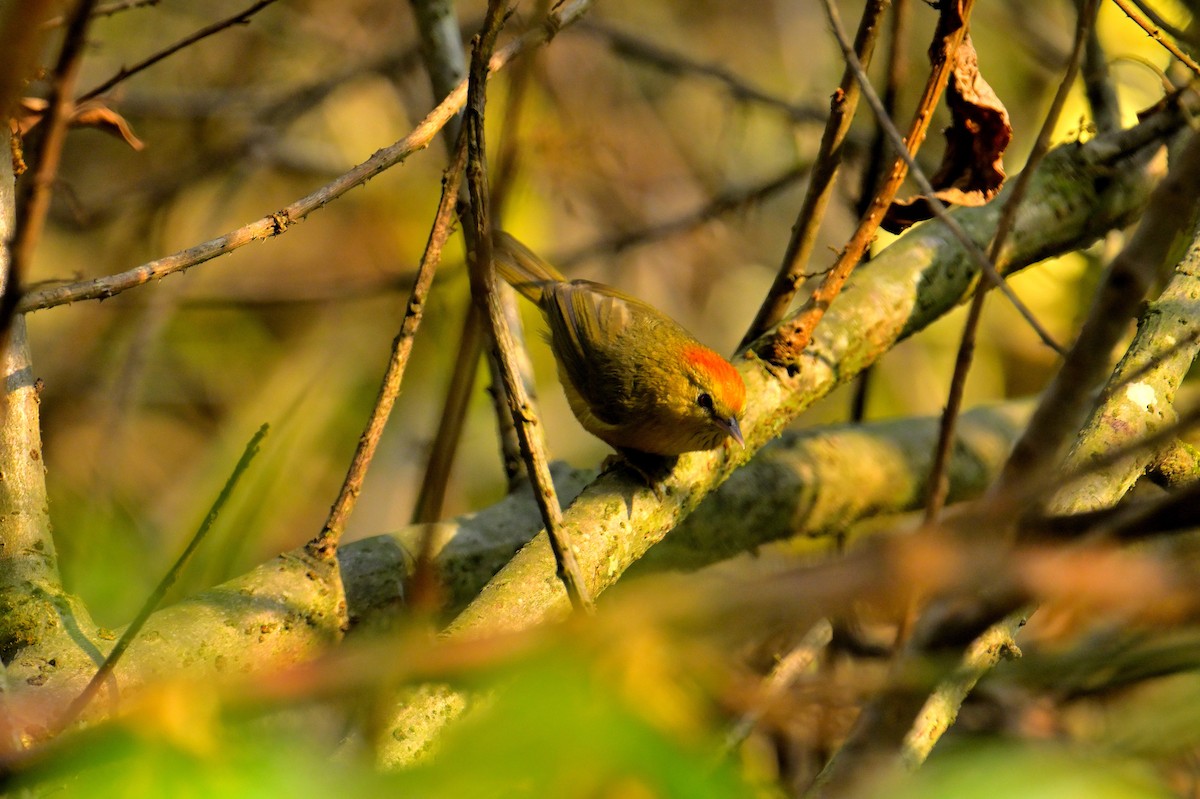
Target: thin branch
895, 75
325, 544
278, 222
1157, 19
105, 11
674, 63
938, 484
825, 169
1157, 36
986, 265
508, 158
791, 338
446, 62
156, 596
432, 492
507, 163
728, 201
1098, 84
44, 151
241, 18
484, 291
785, 673
941, 708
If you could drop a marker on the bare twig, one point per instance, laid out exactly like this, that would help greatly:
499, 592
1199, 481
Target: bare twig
241, 18
484, 290
44, 152
941, 708
726, 202
791, 338
508, 156
1097, 83
106, 11
432, 491
674, 63
1157, 36
325, 544
164, 585
938, 484
278, 222
895, 75
825, 169
782, 676
445, 61
1158, 20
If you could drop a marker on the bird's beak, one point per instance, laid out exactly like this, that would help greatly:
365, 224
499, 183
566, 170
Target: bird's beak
731, 427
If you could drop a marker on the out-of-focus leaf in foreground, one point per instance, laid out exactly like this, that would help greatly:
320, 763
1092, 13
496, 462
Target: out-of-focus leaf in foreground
1003, 770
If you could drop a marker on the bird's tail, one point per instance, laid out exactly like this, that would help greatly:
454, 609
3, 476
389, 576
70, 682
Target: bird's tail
525, 271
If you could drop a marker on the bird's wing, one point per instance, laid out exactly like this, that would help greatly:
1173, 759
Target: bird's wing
587, 324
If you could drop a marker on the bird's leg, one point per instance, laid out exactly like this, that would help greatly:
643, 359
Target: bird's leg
653, 469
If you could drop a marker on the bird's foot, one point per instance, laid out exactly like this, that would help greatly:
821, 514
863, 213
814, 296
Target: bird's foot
652, 469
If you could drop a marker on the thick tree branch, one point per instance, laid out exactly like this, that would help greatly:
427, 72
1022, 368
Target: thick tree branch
1140, 397
1065, 405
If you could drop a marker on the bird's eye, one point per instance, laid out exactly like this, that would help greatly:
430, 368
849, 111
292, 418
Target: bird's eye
705, 401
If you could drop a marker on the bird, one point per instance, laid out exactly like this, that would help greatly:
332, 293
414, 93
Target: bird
633, 377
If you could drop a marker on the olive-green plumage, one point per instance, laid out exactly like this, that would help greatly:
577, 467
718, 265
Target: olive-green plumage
633, 376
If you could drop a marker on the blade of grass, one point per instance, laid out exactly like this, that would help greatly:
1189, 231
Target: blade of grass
156, 596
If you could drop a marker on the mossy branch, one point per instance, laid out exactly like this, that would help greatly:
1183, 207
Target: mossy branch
1079, 192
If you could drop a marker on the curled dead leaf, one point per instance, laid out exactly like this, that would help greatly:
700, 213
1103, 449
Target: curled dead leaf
972, 168
89, 114
28, 113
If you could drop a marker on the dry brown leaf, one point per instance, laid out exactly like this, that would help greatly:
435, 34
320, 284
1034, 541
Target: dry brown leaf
89, 114
95, 114
972, 169
28, 113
